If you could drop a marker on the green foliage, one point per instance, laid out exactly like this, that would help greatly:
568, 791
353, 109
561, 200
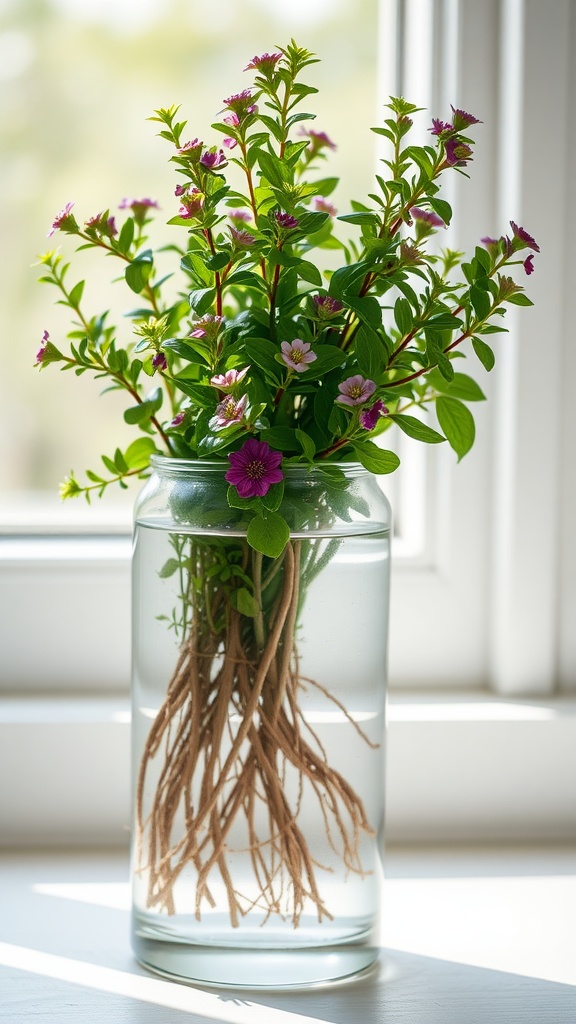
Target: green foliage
248, 338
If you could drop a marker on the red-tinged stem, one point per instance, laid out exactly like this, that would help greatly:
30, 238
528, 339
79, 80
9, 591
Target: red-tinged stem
217, 280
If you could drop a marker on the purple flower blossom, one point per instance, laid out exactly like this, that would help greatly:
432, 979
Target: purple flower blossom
369, 417
139, 208
457, 152
191, 149
355, 390
64, 221
529, 264
326, 306
42, 350
178, 419
226, 381
159, 361
239, 215
192, 203
297, 355
461, 119
523, 236
427, 217
265, 63
213, 158
241, 104
180, 190
439, 126
285, 220
318, 140
229, 412
207, 327
322, 205
230, 143
101, 225
254, 468
232, 120
241, 237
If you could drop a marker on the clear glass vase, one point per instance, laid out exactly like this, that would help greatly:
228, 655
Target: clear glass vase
258, 729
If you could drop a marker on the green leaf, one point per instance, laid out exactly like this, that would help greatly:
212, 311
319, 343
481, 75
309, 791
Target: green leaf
268, 533
201, 300
245, 602
137, 454
375, 459
273, 497
519, 299
480, 300
263, 353
138, 272
308, 272
169, 568
367, 308
308, 446
457, 422
416, 429
462, 386
403, 316
283, 439
126, 236
370, 353
484, 353
442, 208
273, 169
75, 296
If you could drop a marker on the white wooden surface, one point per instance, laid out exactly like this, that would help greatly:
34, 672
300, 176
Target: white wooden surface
470, 937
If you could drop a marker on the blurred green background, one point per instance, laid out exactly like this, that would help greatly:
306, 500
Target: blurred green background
78, 80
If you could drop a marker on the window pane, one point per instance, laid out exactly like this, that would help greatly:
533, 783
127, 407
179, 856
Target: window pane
78, 79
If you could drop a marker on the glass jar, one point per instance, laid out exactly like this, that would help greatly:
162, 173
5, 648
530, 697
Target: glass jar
258, 728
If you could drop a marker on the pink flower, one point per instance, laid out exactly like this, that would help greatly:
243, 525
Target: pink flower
241, 104
254, 468
439, 126
213, 158
42, 350
265, 63
178, 419
228, 412
226, 381
369, 417
297, 354
462, 120
139, 208
522, 236
230, 143
101, 225
64, 221
355, 390
232, 120
191, 149
318, 140
427, 217
323, 206
239, 215
241, 237
326, 306
159, 361
457, 152
192, 203
207, 327
285, 220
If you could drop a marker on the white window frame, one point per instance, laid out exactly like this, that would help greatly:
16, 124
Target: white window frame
488, 617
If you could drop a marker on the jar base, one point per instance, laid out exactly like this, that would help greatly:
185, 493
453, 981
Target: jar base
254, 968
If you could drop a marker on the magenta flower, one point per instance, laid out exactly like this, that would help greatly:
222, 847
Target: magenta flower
369, 417
232, 120
323, 206
297, 354
265, 63
101, 225
254, 468
239, 215
461, 119
285, 220
438, 126
457, 152
42, 350
355, 390
241, 237
241, 104
228, 412
523, 236
207, 327
318, 140
159, 361
64, 221
192, 203
213, 158
191, 149
178, 419
529, 264
427, 217
226, 381
139, 208
230, 143
326, 306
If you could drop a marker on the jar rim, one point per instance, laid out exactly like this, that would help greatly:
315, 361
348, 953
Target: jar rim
178, 466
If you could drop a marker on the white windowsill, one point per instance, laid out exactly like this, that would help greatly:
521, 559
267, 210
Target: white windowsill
469, 935
460, 768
